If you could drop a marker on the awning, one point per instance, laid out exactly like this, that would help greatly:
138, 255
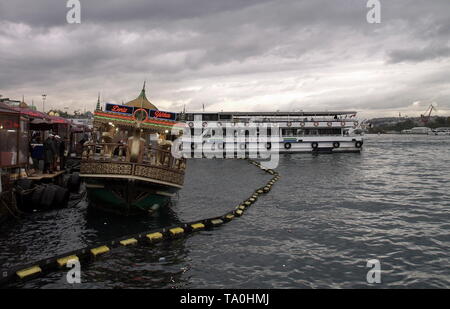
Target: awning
7, 109
39, 121
32, 114
59, 120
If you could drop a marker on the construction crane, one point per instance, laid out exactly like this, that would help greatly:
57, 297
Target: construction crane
426, 116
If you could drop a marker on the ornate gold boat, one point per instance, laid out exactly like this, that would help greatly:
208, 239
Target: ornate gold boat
128, 166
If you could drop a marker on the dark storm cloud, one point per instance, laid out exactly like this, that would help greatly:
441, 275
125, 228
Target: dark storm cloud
234, 54
53, 12
419, 54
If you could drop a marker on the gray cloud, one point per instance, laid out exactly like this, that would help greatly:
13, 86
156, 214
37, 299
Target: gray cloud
231, 55
430, 52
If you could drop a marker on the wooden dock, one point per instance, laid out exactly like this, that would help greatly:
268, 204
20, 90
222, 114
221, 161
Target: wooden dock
40, 177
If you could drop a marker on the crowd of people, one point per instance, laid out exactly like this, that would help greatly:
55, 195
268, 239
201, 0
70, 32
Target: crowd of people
53, 153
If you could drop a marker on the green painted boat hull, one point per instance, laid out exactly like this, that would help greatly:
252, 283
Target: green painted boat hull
127, 196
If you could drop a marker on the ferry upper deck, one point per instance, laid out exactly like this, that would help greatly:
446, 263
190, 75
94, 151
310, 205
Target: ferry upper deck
269, 116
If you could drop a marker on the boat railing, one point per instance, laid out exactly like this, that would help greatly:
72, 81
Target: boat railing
297, 119
117, 153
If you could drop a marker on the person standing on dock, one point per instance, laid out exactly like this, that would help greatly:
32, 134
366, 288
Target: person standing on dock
61, 146
55, 153
49, 154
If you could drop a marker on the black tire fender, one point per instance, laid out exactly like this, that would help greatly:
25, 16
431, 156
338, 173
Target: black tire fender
61, 197
73, 183
36, 197
24, 184
48, 196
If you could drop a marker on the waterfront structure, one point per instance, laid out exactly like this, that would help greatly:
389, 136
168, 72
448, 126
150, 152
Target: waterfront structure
13, 156
128, 166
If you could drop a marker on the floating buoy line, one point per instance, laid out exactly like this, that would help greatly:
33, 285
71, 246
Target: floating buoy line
89, 254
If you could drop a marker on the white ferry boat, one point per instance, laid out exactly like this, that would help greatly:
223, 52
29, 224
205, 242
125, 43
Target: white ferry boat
290, 132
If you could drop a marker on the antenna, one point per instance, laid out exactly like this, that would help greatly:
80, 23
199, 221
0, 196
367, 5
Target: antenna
143, 91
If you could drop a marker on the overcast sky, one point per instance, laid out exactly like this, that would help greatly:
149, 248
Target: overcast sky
231, 55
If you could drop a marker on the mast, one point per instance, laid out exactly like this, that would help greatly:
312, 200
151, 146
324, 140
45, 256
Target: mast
98, 102
143, 92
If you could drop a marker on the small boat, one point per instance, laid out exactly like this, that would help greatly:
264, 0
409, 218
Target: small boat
128, 167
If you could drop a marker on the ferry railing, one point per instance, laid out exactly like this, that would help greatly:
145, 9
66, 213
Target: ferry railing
299, 119
117, 152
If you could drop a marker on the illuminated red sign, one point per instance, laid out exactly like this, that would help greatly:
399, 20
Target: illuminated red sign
129, 110
118, 109
161, 114
122, 109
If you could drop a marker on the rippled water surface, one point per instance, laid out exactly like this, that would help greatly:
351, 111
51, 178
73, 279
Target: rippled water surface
318, 226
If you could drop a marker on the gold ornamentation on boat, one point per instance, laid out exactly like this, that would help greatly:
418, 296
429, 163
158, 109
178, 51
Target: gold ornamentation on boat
159, 174
106, 168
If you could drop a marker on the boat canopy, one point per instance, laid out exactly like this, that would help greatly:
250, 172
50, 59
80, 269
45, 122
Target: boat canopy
141, 101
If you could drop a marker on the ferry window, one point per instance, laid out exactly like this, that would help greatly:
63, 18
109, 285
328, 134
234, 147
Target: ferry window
225, 117
210, 117
287, 132
334, 131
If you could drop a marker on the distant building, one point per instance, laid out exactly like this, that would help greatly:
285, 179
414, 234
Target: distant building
84, 121
17, 103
